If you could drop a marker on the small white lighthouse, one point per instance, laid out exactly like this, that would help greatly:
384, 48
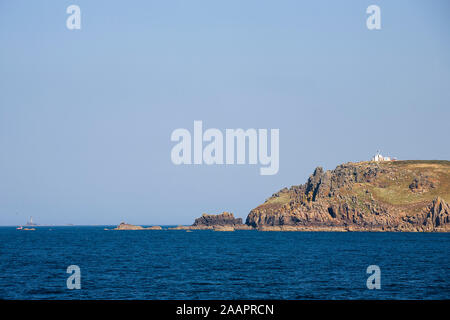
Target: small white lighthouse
378, 157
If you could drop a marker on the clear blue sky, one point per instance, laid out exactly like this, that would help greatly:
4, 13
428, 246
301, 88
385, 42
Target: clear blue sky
86, 115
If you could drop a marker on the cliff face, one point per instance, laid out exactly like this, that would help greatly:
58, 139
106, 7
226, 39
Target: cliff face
365, 196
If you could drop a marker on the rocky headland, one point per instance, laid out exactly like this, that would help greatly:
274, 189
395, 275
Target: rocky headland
411, 196
366, 196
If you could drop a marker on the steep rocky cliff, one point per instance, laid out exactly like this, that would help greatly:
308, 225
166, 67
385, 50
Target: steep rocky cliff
365, 196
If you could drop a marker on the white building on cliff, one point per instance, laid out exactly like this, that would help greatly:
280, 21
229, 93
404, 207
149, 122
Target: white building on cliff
378, 157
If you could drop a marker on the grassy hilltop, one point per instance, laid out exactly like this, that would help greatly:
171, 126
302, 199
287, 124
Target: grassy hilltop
412, 182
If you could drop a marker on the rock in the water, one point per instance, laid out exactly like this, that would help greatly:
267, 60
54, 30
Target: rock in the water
223, 219
153, 228
223, 228
126, 226
217, 222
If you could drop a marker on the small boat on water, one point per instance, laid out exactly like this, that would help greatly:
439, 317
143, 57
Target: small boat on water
29, 226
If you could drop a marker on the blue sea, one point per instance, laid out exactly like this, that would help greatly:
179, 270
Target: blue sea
221, 265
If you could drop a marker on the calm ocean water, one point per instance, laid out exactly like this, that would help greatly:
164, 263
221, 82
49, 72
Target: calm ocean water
221, 265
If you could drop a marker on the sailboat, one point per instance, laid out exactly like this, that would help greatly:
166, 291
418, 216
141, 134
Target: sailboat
31, 223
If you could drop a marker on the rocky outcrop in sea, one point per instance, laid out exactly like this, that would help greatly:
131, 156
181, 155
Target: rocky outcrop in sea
224, 221
126, 226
